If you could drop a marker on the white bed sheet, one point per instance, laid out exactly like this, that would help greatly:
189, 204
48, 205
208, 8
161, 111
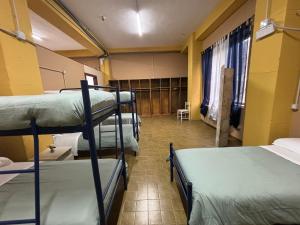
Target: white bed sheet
14, 166
284, 153
70, 139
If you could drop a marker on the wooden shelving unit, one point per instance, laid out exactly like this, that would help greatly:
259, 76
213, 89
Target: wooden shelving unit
161, 96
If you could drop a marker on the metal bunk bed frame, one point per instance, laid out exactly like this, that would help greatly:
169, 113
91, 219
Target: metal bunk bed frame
133, 108
91, 119
185, 187
135, 126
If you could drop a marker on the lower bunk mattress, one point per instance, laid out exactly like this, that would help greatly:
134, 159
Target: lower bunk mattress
67, 193
108, 139
241, 186
126, 119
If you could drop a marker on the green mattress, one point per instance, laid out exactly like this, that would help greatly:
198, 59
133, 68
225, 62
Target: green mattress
50, 110
125, 96
67, 193
126, 119
241, 186
108, 138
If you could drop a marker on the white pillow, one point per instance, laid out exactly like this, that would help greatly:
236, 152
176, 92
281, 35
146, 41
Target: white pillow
292, 144
5, 162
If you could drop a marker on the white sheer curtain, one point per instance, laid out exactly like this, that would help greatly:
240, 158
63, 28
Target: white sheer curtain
220, 53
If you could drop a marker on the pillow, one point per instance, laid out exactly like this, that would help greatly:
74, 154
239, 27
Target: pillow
5, 162
293, 144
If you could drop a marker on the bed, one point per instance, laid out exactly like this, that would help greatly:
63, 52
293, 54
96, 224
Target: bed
80, 147
239, 185
67, 112
67, 192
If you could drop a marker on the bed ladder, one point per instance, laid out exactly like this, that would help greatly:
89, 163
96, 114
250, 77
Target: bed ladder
36, 172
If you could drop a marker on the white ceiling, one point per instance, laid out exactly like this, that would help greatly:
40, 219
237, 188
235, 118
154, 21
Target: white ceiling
163, 22
51, 37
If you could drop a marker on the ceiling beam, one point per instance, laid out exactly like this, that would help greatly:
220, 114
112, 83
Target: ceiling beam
54, 14
222, 12
145, 49
75, 53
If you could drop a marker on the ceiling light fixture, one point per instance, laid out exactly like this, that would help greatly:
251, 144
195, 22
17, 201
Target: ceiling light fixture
138, 18
36, 37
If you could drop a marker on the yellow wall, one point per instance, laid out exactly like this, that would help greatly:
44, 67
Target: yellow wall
194, 78
105, 69
19, 74
274, 70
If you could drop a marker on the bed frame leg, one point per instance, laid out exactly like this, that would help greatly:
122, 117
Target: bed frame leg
89, 130
171, 162
136, 117
189, 200
132, 113
121, 138
36, 172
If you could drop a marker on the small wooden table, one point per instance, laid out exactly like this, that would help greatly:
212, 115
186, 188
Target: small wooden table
60, 153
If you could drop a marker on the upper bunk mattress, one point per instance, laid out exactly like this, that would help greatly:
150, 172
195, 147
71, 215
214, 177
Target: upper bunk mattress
67, 193
244, 185
55, 110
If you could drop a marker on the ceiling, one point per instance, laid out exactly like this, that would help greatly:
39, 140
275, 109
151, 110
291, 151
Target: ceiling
163, 22
51, 37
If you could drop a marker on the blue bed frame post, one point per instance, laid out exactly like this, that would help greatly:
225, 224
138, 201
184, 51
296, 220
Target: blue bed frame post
136, 116
189, 200
132, 112
171, 162
121, 138
89, 130
36, 171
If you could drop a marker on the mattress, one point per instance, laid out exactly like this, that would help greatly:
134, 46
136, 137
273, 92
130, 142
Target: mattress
241, 186
125, 96
49, 110
126, 119
107, 139
67, 193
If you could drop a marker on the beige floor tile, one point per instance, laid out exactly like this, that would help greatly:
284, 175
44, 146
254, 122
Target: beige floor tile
129, 206
155, 217
153, 205
127, 218
180, 216
168, 217
141, 218
166, 204
142, 205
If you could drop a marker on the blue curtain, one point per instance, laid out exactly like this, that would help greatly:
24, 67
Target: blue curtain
206, 75
239, 41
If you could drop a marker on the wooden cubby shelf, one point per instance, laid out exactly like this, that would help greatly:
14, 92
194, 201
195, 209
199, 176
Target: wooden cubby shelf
160, 96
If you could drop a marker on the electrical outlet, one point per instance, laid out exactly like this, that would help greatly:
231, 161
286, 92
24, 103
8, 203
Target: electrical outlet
265, 31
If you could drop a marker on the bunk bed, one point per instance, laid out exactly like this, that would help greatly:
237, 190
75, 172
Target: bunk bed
55, 114
106, 143
107, 137
129, 98
238, 185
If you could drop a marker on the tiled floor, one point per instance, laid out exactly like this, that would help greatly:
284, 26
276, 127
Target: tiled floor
151, 198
